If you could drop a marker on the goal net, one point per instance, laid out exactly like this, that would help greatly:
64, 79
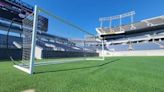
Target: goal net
50, 39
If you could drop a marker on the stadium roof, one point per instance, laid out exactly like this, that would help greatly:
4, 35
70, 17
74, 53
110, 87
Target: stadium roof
150, 24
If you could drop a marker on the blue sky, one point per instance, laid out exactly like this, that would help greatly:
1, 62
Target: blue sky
86, 13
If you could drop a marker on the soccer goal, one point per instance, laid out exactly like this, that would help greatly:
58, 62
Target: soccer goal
50, 39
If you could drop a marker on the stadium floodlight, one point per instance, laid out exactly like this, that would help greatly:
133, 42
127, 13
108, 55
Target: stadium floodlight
117, 17
65, 42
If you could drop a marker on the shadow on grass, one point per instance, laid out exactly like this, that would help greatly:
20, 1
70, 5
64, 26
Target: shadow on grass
87, 67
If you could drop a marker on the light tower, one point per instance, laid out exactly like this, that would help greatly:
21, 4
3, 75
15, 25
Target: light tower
117, 17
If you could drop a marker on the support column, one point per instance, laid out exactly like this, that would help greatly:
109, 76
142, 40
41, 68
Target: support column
120, 22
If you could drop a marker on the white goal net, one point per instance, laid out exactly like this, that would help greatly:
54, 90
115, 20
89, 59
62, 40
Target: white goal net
50, 39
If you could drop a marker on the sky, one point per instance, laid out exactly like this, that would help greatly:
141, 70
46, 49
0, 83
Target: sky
86, 13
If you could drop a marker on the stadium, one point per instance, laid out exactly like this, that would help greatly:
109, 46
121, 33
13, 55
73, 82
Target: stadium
43, 52
143, 38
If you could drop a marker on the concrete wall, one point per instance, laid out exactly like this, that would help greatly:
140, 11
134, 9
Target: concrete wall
135, 53
65, 54
5, 54
38, 52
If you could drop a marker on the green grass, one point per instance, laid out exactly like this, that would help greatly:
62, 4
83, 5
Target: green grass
117, 74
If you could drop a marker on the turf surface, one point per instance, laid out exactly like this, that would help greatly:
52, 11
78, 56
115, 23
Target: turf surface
117, 74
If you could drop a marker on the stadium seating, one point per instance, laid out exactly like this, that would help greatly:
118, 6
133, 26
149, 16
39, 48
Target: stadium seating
156, 21
127, 27
116, 29
51, 49
162, 43
137, 42
11, 39
62, 47
138, 46
142, 37
145, 46
140, 25
137, 25
40, 43
119, 47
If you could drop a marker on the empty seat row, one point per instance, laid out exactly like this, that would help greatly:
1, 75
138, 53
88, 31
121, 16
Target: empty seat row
137, 46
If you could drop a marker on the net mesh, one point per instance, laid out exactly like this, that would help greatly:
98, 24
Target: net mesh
68, 41
27, 40
57, 41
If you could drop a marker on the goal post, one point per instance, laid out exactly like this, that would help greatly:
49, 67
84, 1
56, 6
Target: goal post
29, 56
64, 42
33, 45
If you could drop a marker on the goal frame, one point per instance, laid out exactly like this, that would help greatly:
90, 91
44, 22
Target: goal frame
32, 54
32, 64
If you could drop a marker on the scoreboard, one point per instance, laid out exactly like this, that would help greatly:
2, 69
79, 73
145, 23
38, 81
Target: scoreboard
17, 9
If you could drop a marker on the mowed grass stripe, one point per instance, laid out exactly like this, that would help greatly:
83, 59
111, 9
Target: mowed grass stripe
116, 74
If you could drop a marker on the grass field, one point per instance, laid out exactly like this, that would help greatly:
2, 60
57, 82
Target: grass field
117, 74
